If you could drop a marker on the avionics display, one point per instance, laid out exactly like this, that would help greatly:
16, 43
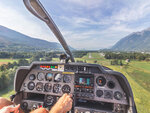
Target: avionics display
84, 81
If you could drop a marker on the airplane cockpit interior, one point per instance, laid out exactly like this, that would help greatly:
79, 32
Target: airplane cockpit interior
94, 88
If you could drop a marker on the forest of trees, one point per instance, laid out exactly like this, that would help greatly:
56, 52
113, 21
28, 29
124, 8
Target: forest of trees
123, 56
13, 55
116, 62
7, 71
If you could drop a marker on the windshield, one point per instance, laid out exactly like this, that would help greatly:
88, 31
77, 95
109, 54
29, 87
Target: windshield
114, 34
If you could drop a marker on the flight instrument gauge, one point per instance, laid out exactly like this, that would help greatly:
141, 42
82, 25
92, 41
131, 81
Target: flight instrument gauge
118, 95
99, 93
56, 88
32, 77
58, 77
67, 78
101, 81
48, 87
111, 84
31, 85
49, 76
50, 100
39, 86
40, 76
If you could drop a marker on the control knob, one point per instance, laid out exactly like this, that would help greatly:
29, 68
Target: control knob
66, 89
24, 105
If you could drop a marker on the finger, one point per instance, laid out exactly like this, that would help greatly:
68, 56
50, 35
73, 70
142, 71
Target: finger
69, 98
10, 109
17, 108
40, 110
70, 101
67, 101
70, 95
63, 97
13, 109
68, 106
16, 111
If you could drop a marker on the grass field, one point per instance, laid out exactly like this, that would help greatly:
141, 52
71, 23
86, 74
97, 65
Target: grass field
7, 92
5, 61
137, 73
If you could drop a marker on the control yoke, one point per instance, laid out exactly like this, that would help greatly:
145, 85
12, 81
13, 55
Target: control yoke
36, 8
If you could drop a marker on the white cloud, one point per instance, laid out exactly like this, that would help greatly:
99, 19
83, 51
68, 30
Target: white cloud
81, 22
99, 38
84, 30
133, 12
86, 3
118, 25
23, 23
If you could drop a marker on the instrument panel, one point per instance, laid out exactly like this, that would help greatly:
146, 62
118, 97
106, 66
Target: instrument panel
47, 82
91, 88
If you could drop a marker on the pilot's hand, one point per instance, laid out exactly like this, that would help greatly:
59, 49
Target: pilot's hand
9, 109
40, 110
63, 105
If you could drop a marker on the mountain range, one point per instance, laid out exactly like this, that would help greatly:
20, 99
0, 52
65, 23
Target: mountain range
14, 41
137, 41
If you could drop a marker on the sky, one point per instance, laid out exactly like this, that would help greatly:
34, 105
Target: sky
85, 24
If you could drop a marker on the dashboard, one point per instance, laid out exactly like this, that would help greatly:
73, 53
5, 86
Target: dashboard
94, 89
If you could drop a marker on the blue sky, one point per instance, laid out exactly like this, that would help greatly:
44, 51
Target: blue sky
85, 24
